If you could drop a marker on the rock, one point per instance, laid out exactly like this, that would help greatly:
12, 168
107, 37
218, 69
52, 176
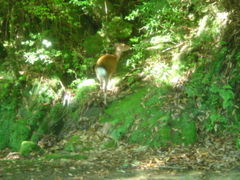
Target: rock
28, 147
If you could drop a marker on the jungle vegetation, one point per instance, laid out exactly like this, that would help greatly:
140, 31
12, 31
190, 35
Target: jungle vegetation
177, 85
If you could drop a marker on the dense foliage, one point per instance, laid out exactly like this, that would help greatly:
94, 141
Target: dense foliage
185, 51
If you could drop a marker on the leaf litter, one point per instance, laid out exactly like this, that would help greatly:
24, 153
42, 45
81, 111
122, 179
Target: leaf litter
216, 154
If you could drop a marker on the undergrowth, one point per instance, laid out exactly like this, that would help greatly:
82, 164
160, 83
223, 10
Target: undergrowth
40, 113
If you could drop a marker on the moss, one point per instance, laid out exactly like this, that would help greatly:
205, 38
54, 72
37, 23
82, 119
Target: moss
189, 134
28, 147
75, 144
6, 121
19, 133
123, 113
110, 144
140, 118
163, 136
37, 116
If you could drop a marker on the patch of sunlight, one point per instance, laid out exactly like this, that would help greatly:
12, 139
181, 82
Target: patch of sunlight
160, 71
28, 42
113, 84
175, 80
160, 39
166, 73
158, 42
47, 43
38, 55
86, 82
222, 18
202, 25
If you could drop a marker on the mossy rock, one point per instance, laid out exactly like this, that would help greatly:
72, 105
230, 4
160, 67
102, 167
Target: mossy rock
20, 133
188, 132
122, 113
140, 118
28, 147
